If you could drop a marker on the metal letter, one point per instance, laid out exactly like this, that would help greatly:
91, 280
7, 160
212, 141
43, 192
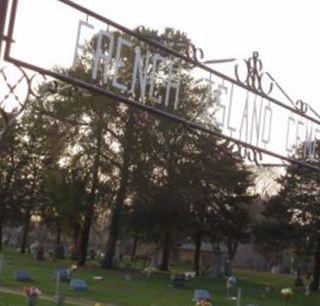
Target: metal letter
78, 46
120, 64
105, 56
143, 72
175, 85
157, 58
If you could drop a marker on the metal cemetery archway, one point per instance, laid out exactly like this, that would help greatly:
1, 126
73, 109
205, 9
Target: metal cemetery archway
249, 91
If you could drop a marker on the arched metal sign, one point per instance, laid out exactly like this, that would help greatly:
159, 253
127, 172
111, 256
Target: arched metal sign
240, 108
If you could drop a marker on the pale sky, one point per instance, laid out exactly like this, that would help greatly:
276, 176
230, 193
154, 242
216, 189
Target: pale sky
285, 33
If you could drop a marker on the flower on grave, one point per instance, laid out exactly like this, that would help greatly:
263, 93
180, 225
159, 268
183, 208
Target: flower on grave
32, 292
231, 282
150, 270
203, 303
286, 293
190, 275
73, 268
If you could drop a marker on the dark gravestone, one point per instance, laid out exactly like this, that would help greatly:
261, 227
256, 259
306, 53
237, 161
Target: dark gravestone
217, 263
179, 281
78, 285
22, 276
63, 274
299, 280
201, 294
93, 254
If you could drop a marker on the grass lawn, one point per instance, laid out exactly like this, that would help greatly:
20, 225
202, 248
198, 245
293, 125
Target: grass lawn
144, 291
17, 300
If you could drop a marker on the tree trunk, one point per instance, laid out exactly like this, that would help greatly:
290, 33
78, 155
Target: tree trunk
28, 211
1, 236
58, 237
76, 229
232, 247
197, 253
165, 258
84, 239
25, 230
316, 269
89, 212
115, 224
117, 208
134, 248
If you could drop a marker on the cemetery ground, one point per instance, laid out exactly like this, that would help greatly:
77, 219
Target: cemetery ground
258, 288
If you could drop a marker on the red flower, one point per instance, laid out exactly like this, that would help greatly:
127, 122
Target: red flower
32, 292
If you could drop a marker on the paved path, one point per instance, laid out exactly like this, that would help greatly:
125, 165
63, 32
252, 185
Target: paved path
70, 301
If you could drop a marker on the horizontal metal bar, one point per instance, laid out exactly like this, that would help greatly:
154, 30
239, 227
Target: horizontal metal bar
5, 38
272, 165
156, 111
220, 61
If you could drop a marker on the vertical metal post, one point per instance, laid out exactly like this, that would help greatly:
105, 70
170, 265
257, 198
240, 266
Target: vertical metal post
3, 14
239, 297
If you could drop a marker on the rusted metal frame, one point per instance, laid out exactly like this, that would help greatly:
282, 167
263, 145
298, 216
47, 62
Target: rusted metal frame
156, 111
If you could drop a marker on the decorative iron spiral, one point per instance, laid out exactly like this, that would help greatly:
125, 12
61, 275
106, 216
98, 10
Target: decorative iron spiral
250, 154
254, 75
19, 88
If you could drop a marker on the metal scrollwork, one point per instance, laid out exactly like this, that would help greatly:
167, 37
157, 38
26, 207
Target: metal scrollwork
250, 154
14, 84
301, 106
19, 88
254, 75
141, 29
194, 53
190, 50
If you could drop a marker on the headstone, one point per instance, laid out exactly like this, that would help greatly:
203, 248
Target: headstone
63, 274
93, 254
34, 247
22, 276
299, 280
78, 285
201, 294
231, 282
128, 273
179, 281
154, 259
307, 290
